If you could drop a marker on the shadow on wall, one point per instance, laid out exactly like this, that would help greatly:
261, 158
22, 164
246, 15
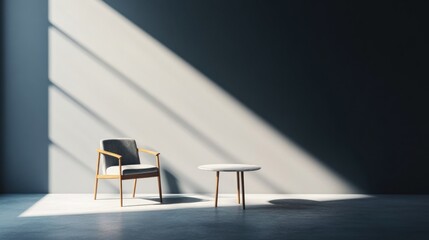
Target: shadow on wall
109, 78
344, 80
172, 182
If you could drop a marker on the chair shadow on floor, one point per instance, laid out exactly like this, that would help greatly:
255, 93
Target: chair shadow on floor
166, 200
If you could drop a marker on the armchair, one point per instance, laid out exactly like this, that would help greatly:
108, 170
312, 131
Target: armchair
119, 159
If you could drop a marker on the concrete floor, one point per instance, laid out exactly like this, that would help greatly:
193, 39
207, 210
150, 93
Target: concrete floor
77, 216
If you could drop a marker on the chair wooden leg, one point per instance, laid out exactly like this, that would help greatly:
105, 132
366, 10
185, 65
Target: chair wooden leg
159, 188
242, 189
134, 191
120, 191
96, 176
217, 188
95, 188
238, 187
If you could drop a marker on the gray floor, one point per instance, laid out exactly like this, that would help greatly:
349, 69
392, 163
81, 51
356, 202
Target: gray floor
77, 216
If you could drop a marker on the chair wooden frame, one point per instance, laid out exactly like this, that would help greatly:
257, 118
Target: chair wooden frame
122, 177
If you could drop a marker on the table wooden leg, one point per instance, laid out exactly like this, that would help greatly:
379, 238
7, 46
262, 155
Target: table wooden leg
238, 187
242, 189
217, 187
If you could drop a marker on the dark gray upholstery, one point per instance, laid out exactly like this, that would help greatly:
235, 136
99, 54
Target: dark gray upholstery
132, 169
140, 171
127, 148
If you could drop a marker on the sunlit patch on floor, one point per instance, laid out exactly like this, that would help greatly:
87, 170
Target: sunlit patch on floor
72, 204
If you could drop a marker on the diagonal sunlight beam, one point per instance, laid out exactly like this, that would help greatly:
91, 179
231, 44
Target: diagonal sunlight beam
168, 112
233, 133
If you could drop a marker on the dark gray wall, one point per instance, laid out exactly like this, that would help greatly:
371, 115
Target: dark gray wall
345, 80
25, 96
2, 91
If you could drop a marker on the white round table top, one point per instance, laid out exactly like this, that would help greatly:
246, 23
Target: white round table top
229, 167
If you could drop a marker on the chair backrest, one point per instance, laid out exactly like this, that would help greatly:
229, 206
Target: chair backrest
125, 147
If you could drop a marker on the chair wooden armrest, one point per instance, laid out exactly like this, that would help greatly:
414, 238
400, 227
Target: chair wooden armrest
149, 151
109, 154
156, 154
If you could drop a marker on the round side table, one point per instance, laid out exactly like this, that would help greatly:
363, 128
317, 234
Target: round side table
238, 168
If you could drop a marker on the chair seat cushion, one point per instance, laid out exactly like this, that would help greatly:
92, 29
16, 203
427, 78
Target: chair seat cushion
132, 169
